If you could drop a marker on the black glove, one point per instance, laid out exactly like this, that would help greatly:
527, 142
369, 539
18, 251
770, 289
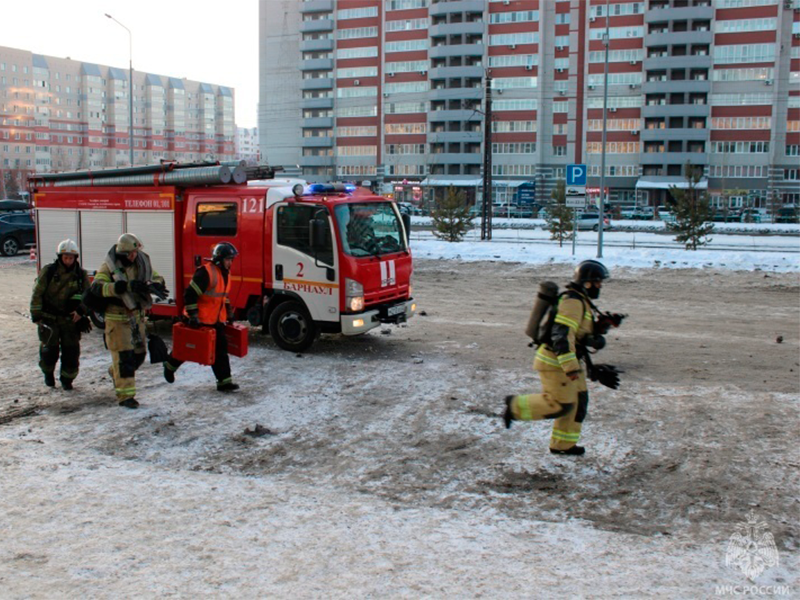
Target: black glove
598, 342
36, 318
140, 288
607, 375
607, 320
120, 287
159, 290
84, 325
194, 322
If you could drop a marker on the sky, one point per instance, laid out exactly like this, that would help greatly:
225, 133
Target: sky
211, 42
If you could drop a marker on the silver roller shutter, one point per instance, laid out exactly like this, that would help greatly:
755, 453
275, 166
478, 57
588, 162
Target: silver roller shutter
156, 231
100, 230
54, 226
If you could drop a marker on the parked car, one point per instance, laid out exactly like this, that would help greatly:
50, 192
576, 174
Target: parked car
643, 213
721, 216
588, 221
16, 232
787, 214
13, 206
751, 215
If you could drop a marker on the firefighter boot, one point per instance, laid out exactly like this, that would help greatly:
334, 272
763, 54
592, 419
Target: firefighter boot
169, 374
508, 415
66, 384
573, 451
227, 386
129, 403
50, 380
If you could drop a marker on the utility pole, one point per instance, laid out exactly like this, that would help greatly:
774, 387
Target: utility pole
602, 207
130, 84
486, 213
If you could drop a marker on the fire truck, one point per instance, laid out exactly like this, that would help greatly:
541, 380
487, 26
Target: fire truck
319, 258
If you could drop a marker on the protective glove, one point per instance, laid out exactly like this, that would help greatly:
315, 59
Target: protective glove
159, 290
607, 375
607, 320
120, 287
140, 288
598, 342
36, 317
194, 322
84, 325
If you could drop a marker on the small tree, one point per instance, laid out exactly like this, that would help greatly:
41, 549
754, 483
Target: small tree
692, 211
11, 184
559, 216
451, 218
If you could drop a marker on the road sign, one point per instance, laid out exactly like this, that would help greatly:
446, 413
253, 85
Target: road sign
576, 190
526, 193
576, 202
576, 175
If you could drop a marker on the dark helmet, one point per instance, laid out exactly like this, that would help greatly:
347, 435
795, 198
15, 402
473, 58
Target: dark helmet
222, 251
590, 270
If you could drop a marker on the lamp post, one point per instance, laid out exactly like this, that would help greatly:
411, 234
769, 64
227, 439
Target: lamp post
130, 84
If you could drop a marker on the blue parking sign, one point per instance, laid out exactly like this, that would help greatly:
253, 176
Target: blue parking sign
576, 174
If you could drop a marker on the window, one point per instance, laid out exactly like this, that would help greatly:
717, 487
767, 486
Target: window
407, 66
293, 223
400, 108
744, 53
751, 74
369, 229
365, 52
734, 26
217, 218
354, 72
514, 60
357, 32
514, 17
407, 25
520, 104
402, 46
509, 39
615, 33
357, 13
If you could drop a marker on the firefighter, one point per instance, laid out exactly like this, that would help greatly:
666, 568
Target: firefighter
207, 304
564, 394
124, 282
57, 308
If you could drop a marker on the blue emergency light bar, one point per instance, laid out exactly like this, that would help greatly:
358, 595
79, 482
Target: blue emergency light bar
329, 188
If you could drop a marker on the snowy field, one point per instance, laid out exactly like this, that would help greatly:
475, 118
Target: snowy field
382, 469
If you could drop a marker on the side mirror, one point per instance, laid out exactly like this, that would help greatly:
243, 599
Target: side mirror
407, 225
317, 233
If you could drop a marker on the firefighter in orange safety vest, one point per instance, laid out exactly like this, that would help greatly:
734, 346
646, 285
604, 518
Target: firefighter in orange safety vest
577, 324
207, 304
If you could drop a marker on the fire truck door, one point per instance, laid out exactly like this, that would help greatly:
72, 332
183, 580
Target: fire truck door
311, 274
212, 220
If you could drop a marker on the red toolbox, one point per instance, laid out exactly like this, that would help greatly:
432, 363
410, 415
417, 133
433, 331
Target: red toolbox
237, 339
194, 344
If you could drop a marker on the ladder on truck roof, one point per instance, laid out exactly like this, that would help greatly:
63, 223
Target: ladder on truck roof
165, 173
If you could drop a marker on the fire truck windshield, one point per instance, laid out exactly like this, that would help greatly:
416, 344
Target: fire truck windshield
370, 229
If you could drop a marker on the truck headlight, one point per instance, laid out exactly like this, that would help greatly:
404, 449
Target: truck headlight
353, 295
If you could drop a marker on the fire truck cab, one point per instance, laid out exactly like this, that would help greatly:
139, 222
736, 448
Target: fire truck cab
319, 258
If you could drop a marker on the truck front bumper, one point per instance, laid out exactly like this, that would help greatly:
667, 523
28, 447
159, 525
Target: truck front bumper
370, 319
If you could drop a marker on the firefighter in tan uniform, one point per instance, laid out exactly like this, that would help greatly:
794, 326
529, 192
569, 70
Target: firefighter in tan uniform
123, 281
564, 394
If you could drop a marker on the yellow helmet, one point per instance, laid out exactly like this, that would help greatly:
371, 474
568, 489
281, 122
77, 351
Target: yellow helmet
128, 242
67, 247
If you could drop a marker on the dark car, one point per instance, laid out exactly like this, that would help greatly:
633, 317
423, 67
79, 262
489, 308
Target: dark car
16, 232
787, 214
13, 206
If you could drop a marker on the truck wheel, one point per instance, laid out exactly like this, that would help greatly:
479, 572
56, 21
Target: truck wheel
291, 327
9, 246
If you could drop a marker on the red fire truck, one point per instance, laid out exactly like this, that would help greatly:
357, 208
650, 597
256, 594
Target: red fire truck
319, 258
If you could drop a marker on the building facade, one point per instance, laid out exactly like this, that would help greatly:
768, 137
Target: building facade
58, 114
247, 144
392, 91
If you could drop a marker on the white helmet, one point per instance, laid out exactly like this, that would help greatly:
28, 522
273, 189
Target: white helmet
67, 247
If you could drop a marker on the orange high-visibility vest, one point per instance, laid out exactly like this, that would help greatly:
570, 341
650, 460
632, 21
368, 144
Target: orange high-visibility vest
211, 304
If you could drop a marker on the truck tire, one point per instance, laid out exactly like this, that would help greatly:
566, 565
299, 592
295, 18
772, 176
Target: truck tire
291, 327
9, 246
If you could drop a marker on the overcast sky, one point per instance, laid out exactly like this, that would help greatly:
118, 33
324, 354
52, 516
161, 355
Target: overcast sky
212, 42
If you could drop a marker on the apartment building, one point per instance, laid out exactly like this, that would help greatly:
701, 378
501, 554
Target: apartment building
392, 91
59, 114
247, 144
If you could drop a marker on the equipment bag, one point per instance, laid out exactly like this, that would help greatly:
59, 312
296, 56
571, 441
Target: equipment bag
157, 349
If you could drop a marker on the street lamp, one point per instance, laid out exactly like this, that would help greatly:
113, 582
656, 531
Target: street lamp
130, 84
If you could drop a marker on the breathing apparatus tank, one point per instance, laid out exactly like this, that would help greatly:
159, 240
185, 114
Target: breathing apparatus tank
546, 298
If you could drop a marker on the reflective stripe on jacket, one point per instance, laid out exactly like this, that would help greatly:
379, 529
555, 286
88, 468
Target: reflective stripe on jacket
211, 302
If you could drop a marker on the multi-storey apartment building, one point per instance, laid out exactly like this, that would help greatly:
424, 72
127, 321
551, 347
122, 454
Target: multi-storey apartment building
247, 144
392, 91
58, 114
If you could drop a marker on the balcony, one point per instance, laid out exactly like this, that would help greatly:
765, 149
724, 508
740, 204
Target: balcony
457, 6
317, 161
470, 93
686, 13
667, 135
471, 28
316, 6
316, 45
676, 85
316, 64
460, 115
318, 122
323, 83
456, 50
317, 25
454, 136
460, 158
678, 38
673, 158
316, 142
475, 71
676, 110
316, 103
660, 63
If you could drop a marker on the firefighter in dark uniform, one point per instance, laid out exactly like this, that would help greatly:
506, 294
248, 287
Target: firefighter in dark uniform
564, 394
207, 303
57, 308
124, 282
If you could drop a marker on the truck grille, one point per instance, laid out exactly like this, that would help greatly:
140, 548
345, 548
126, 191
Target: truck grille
385, 296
